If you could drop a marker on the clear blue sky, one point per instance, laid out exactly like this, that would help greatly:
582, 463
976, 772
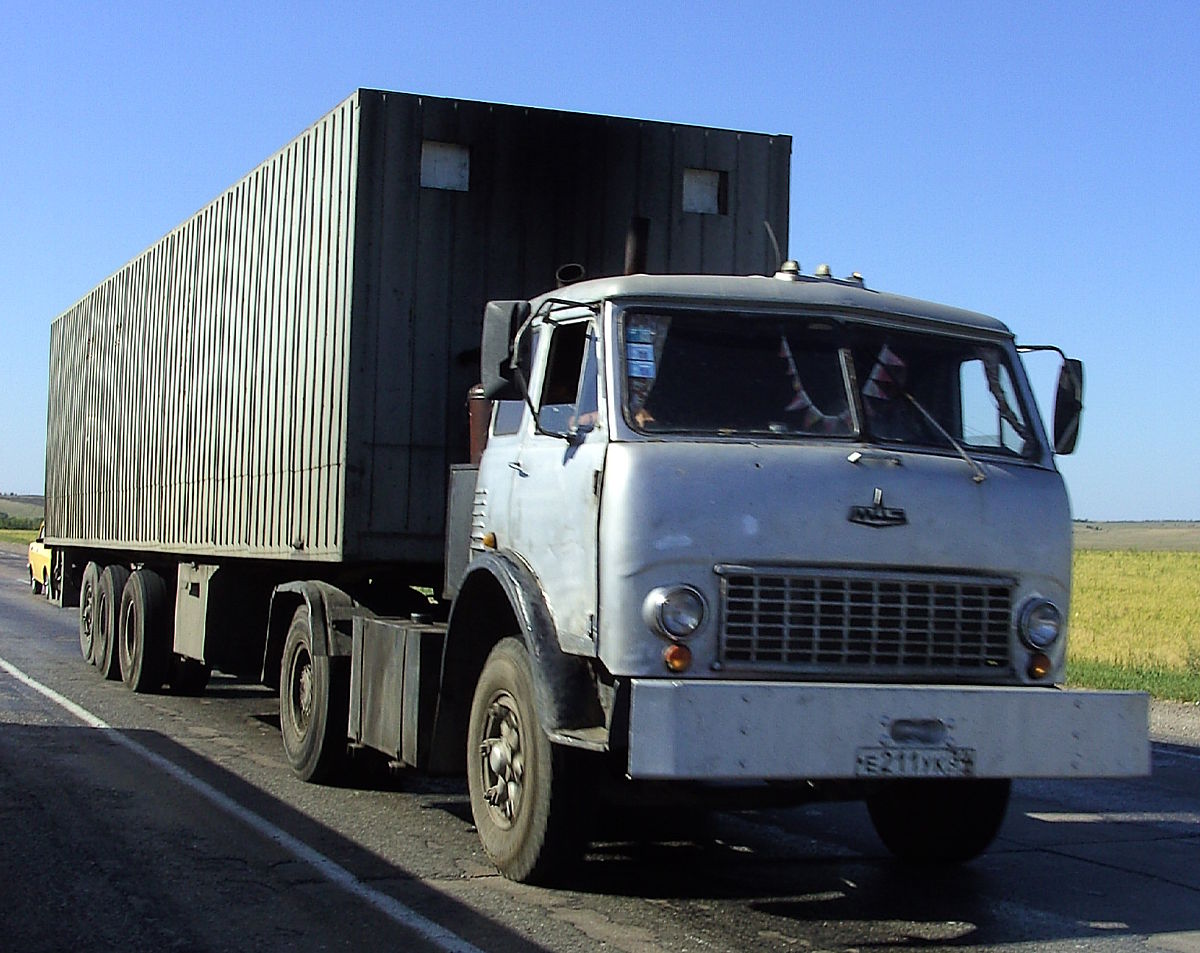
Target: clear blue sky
1038, 162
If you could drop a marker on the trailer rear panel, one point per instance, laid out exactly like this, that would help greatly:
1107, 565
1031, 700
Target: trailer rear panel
283, 375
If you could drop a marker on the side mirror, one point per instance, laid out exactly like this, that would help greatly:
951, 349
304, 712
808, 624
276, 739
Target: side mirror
501, 321
1068, 406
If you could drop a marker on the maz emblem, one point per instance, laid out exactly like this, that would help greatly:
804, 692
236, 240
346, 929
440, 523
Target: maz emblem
877, 514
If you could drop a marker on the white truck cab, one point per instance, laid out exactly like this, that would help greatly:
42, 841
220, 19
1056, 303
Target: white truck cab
781, 529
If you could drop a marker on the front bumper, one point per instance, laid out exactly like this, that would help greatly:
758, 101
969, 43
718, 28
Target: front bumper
739, 730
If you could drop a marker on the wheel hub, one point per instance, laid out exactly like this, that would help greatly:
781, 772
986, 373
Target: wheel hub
503, 761
86, 630
302, 692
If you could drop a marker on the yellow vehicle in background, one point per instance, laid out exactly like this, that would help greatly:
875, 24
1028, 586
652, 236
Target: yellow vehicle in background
39, 563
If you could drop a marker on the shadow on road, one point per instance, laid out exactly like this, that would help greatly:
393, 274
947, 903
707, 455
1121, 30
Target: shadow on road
100, 852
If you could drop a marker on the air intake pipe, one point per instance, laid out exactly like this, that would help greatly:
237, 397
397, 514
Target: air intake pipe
636, 240
569, 273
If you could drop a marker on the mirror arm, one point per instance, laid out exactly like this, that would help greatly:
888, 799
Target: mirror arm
1032, 348
523, 387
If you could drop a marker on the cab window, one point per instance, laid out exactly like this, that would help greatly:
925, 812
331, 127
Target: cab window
569, 399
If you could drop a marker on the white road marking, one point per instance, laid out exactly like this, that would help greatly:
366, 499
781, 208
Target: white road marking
330, 870
1161, 752
1115, 817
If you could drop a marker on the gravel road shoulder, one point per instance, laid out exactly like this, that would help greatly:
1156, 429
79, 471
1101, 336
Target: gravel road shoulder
1176, 723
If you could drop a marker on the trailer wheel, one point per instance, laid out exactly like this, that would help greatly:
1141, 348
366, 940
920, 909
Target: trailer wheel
314, 704
108, 606
143, 632
939, 821
520, 783
87, 612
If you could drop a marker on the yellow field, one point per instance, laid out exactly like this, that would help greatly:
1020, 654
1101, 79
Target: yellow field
1135, 621
1140, 609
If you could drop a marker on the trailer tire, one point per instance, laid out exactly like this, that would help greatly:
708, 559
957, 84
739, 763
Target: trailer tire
939, 821
87, 612
143, 632
108, 607
314, 704
521, 785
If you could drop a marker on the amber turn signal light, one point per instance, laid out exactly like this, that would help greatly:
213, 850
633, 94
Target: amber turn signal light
1039, 665
678, 657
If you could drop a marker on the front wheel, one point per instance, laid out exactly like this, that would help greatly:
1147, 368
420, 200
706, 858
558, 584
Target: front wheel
939, 821
314, 704
521, 785
34, 585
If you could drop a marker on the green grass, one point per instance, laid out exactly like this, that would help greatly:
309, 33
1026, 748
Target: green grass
22, 507
22, 536
1161, 683
1135, 622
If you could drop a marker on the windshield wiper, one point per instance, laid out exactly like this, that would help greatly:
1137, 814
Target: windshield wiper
977, 471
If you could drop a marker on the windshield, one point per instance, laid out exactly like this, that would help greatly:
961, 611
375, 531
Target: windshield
732, 374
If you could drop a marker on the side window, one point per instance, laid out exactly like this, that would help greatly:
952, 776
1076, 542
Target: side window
990, 416
507, 419
568, 399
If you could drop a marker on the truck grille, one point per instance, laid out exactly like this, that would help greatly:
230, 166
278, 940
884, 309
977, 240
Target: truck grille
847, 622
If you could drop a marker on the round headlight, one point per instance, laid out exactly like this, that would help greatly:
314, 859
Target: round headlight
673, 611
1040, 624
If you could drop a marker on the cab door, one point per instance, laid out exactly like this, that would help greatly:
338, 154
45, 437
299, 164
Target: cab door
554, 504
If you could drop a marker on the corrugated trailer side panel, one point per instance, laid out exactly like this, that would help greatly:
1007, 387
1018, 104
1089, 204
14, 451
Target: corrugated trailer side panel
544, 188
198, 396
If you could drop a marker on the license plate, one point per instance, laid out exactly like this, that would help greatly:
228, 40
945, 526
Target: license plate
915, 763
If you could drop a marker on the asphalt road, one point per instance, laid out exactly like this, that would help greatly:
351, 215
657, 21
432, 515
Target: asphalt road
160, 823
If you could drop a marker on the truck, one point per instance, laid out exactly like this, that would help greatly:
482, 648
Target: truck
687, 521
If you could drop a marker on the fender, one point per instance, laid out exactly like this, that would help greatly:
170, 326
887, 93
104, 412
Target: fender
326, 604
565, 690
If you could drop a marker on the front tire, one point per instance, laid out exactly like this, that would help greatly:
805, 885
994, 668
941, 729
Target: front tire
314, 704
521, 785
34, 586
108, 606
939, 821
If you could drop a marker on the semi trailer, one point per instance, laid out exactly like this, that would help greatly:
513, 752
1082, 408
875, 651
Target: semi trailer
688, 520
